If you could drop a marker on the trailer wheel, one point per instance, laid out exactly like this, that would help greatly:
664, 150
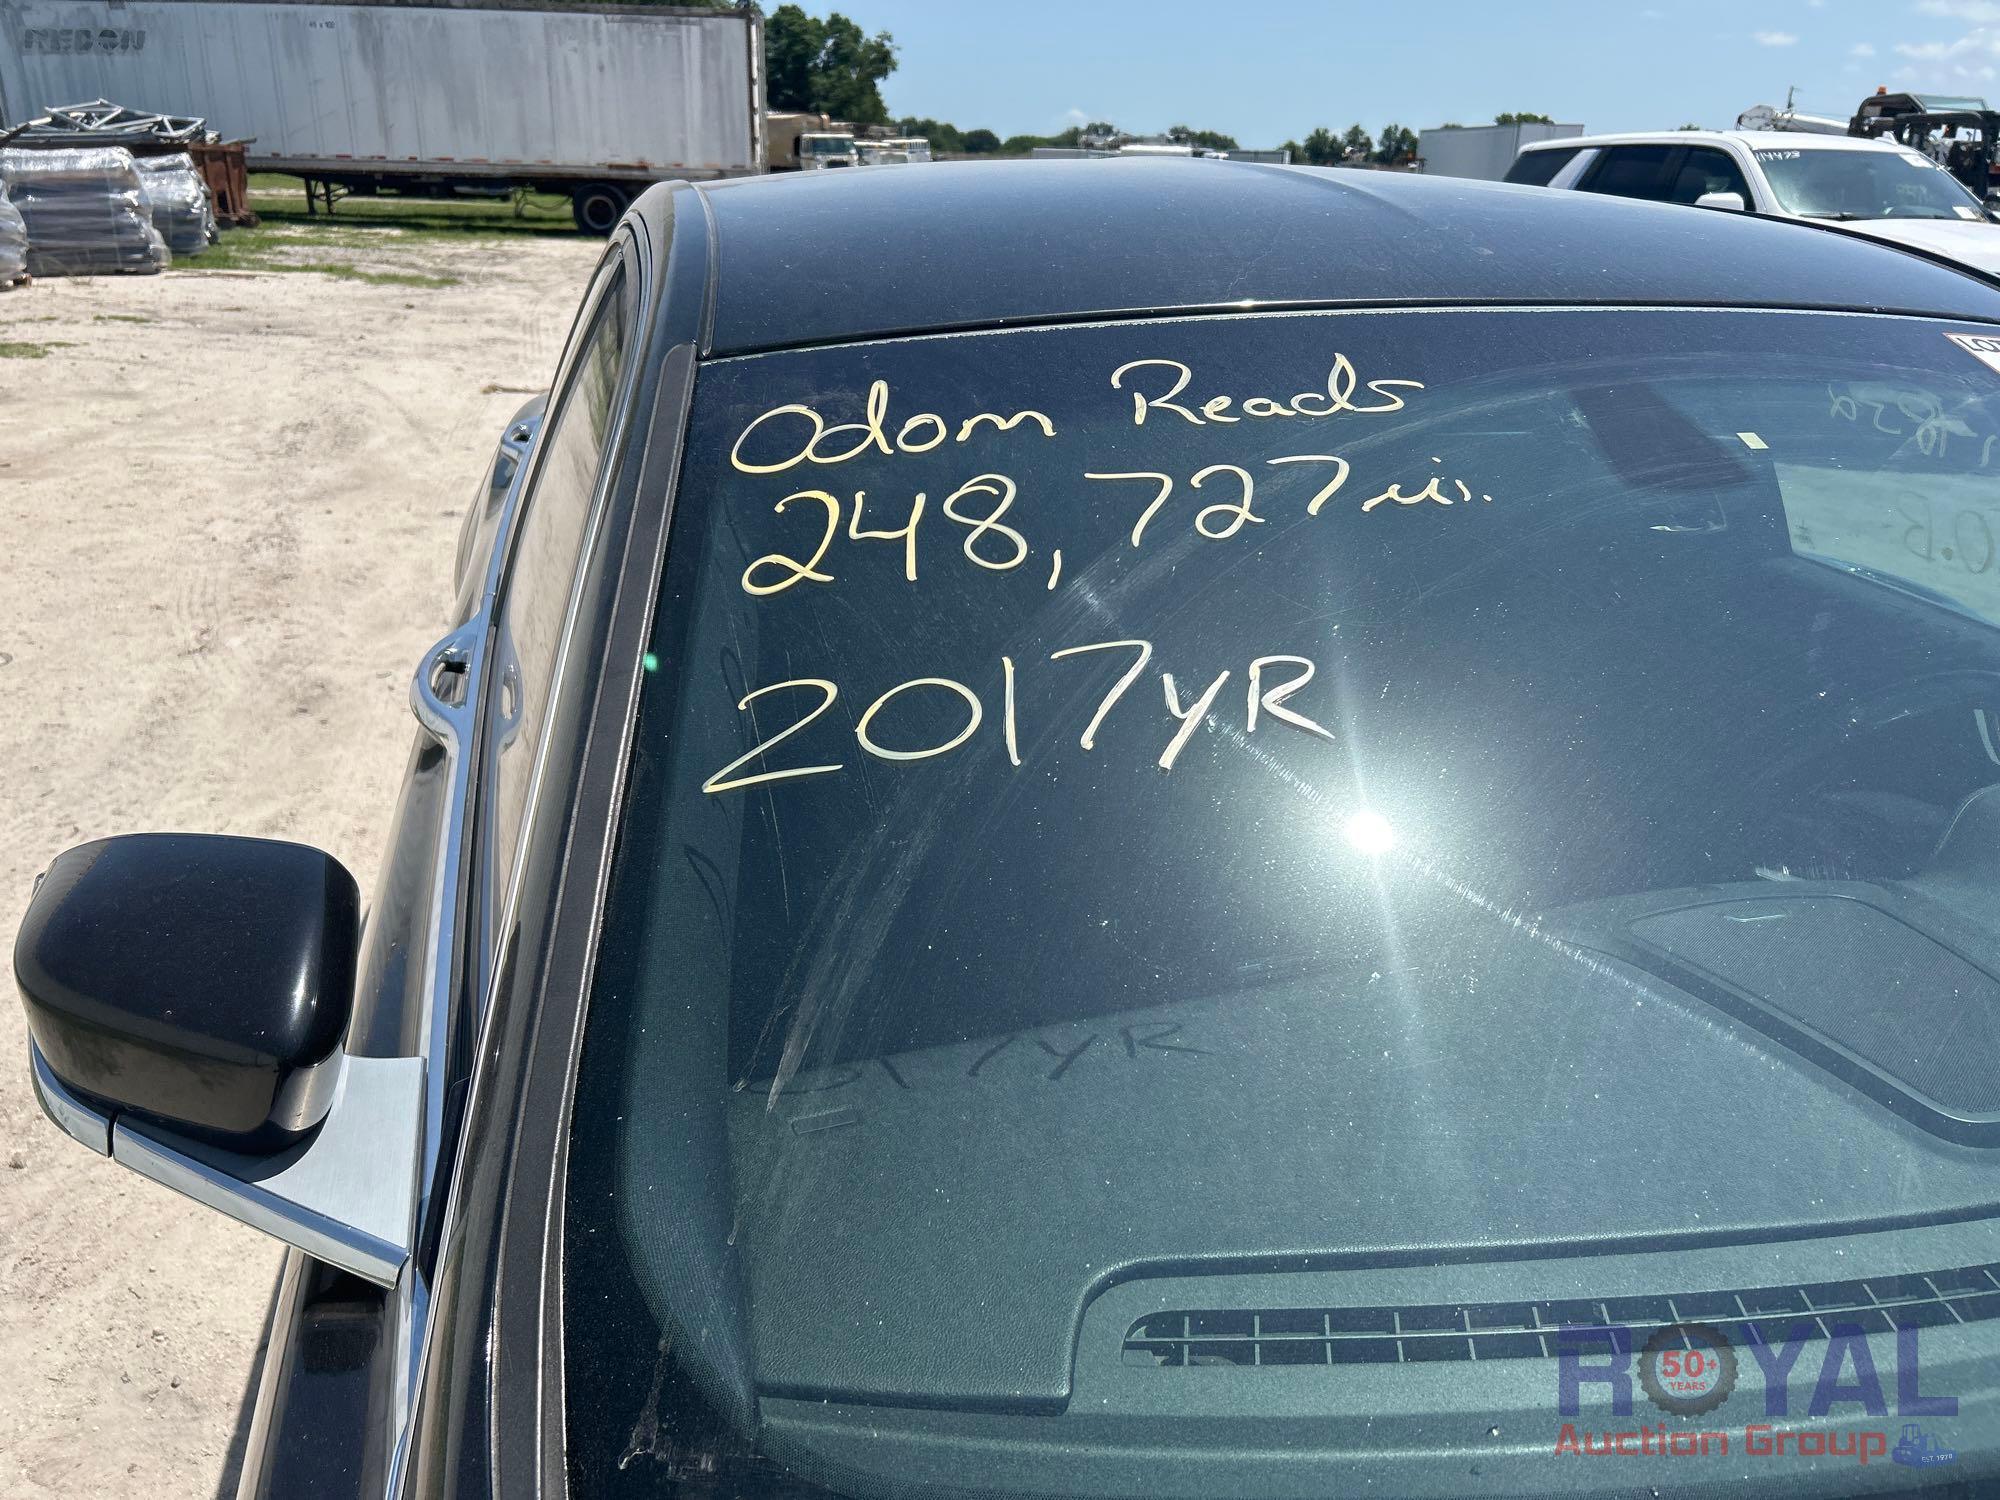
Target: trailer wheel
597, 207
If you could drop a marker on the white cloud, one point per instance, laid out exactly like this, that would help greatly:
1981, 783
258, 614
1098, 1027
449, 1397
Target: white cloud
1963, 57
1773, 38
1961, 10
1861, 49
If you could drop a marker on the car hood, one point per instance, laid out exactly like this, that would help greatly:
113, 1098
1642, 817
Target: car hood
929, 1228
1971, 244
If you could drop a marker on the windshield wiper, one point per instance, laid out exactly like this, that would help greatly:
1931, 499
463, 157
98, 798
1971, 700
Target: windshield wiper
1898, 584
1843, 216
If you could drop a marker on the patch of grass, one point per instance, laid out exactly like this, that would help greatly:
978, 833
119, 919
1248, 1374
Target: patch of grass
21, 350
269, 248
361, 228
281, 200
378, 278
119, 318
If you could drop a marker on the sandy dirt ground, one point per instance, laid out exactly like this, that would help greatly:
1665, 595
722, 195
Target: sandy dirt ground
228, 503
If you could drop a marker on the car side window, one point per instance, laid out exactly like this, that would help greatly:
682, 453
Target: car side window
1708, 170
1632, 172
1536, 168
534, 601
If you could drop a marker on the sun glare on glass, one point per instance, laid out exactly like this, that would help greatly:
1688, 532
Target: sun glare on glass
1370, 833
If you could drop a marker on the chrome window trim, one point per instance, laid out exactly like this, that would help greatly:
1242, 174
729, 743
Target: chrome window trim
640, 273
638, 276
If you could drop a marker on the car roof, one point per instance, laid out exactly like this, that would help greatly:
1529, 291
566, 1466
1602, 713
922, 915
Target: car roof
829, 257
1756, 140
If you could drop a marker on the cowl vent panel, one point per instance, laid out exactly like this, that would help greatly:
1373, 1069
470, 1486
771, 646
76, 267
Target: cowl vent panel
1255, 1338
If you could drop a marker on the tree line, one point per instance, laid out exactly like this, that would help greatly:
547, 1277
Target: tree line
830, 66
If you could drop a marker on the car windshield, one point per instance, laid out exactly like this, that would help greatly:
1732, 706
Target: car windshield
1829, 183
1232, 841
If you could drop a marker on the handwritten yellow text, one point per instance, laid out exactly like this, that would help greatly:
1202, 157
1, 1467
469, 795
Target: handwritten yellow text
1265, 702
1338, 395
793, 434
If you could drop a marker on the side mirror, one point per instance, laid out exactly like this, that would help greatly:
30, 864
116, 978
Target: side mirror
204, 982
187, 996
1728, 202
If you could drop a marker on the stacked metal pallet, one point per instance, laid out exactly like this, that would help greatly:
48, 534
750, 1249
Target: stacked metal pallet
13, 243
178, 201
84, 212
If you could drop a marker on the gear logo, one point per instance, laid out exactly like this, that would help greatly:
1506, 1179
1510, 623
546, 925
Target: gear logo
1688, 1369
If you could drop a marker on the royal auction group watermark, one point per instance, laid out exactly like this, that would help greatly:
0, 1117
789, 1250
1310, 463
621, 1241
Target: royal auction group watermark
1689, 1370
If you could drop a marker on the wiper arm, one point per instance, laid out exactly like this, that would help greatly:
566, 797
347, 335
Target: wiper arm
1900, 585
1843, 216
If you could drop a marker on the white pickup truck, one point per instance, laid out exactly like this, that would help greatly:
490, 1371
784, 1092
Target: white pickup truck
1873, 187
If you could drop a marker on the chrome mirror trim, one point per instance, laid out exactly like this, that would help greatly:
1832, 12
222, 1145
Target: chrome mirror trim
307, 1094
347, 1197
75, 1119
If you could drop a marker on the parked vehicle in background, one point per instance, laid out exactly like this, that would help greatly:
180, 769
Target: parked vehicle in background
482, 95
1958, 132
1482, 151
820, 149
895, 151
1875, 188
1419, 819
782, 131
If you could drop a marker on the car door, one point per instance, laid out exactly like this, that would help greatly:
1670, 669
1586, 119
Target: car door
343, 1355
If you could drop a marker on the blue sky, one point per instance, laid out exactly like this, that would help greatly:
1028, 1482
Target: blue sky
1265, 71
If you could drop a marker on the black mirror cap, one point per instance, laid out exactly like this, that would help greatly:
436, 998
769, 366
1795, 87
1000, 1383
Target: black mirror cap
202, 980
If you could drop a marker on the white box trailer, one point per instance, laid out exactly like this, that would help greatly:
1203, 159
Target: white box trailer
591, 100
1482, 151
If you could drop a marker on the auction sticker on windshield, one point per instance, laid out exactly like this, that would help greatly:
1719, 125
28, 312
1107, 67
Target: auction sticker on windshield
1984, 347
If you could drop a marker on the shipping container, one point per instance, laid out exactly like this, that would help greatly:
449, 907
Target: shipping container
1482, 151
593, 100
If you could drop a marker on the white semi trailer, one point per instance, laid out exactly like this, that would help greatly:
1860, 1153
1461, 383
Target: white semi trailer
594, 101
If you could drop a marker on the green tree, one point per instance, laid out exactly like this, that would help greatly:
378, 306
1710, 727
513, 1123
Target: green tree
792, 41
827, 67
1357, 142
1202, 140
1522, 119
1021, 145
942, 134
1398, 143
981, 142
1320, 149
